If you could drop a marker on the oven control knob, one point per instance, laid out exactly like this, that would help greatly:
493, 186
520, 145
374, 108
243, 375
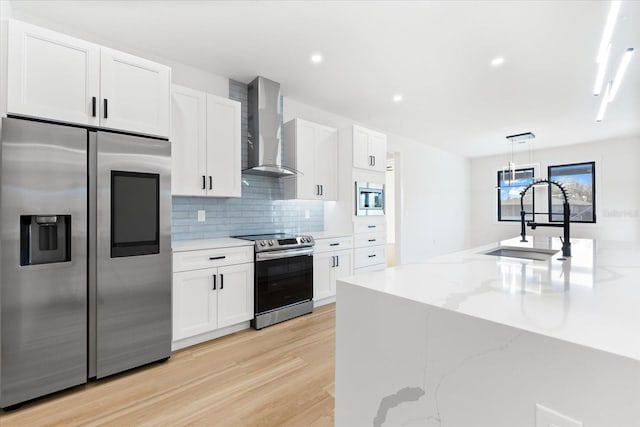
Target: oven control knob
308, 239
270, 242
262, 243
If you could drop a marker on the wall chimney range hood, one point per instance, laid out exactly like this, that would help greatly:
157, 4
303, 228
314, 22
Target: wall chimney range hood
265, 130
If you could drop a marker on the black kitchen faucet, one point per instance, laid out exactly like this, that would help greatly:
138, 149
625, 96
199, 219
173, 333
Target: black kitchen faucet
566, 211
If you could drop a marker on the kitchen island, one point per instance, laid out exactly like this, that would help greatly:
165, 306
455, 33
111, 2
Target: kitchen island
470, 339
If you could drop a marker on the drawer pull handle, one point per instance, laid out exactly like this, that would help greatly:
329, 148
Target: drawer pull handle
371, 226
212, 258
372, 240
371, 256
334, 244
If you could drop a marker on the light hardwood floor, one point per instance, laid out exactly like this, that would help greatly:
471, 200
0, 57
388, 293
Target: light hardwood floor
280, 376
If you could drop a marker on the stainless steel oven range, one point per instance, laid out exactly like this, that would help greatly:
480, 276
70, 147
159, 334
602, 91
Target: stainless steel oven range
283, 277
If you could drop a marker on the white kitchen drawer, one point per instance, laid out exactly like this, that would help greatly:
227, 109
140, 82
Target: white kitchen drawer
208, 258
370, 239
330, 245
369, 225
375, 267
365, 257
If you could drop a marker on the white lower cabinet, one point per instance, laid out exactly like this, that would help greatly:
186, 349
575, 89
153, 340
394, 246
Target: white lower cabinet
332, 260
195, 303
235, 294
209, 299
370, 253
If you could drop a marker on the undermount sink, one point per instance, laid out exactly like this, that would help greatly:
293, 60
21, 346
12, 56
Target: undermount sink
526, 253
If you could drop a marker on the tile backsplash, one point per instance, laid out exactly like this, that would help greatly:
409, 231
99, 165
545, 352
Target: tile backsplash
259, 210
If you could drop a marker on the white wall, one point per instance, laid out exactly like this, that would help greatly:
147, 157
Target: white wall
617, 191
433, 201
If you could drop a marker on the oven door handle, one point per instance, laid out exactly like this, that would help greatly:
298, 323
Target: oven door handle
287, 253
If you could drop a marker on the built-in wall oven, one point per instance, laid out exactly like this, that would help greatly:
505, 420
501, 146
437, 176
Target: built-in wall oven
369, 198
283, 277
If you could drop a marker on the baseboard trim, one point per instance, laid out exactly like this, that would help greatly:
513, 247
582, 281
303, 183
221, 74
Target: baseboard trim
208, 336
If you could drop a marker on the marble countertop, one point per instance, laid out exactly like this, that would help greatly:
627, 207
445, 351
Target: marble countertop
591, 299
195, 245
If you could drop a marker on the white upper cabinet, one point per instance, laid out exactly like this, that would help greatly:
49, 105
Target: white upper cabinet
206, 146
311, 149
135, 93
54, 76
223, 147
188, 142
369, 149
51, 75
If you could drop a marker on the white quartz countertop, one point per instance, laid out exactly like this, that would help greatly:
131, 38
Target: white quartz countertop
591, 299
195, 245
319, 235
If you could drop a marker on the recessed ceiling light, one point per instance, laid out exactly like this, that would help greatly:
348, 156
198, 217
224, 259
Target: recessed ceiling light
497, 61
397, 97
316, 58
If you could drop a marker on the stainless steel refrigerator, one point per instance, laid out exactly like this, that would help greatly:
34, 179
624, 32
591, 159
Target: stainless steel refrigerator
85, 244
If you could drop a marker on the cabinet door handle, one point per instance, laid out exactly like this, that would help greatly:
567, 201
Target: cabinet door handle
372, 240
371, 256
210, 182
212, 258
322, 190
106, 108
337, 260
374, 160
214, 282
204, 182
334, 244
370, 161
333, 261
222, 281
93, 106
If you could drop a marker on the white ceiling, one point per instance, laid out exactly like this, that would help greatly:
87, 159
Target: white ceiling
436, 54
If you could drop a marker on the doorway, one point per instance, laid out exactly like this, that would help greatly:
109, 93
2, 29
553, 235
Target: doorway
391, 203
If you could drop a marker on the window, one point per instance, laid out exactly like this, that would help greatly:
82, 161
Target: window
509, 189
579, 182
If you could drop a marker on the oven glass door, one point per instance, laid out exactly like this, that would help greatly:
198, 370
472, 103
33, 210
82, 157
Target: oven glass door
283, 281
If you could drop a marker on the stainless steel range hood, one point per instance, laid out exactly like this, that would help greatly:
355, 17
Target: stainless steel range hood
265, 127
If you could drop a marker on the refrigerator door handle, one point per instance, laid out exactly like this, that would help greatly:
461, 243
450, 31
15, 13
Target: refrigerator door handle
92, 233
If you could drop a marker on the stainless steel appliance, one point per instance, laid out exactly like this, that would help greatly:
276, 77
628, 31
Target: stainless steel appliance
369, 198
283, 277
264, 105
86, 256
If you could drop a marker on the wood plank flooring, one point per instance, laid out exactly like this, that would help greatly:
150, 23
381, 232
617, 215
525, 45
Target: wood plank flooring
280, 376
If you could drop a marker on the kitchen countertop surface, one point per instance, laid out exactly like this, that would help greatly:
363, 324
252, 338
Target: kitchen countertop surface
194, 245
591, 299
327, 234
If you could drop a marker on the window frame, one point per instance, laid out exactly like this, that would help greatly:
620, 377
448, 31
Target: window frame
533, 195
593, 187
